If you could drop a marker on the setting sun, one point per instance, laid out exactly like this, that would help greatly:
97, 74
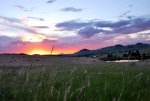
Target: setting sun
40, 52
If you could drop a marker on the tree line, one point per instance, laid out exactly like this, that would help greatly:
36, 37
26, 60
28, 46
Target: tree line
130, 54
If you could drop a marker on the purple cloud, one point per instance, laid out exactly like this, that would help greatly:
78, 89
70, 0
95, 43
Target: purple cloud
4, 40
89, 32
136, 25
72, 25
20, 43
111, 24
126, 26
49, 41
129, 26
10, 20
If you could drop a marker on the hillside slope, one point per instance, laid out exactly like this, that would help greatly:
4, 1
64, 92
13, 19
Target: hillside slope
113, 49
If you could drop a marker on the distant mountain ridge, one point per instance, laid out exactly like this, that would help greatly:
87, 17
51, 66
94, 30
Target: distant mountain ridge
113, 49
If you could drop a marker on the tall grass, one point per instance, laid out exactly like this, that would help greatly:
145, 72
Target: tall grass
69, 82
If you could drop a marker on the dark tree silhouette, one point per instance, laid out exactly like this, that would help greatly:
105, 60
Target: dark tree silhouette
143, 55
125, 55
110, 55
129, 53
137, 53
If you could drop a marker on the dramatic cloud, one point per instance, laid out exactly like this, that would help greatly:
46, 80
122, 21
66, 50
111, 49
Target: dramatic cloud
17, 28
126, 26
94, 31
51, 1
134, 26
71, 9
129, 26
18, 45
69, 45
72, 25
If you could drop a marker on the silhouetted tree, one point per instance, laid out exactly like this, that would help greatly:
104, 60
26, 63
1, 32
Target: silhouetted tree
110, 55
129, 53
125, 55
137, 53
143, 55
132, 53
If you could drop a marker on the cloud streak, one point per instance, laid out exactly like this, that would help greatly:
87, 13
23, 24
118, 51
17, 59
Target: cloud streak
40, 27
50, 1
71, 9
21, 8
19, 24
125, 13
10, 20
36, 18
72, 25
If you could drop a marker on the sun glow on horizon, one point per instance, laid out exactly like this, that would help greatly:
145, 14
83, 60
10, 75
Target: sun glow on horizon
40, 52
48, 52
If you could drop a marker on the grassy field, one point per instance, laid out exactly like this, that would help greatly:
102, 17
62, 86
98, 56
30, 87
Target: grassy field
99, 81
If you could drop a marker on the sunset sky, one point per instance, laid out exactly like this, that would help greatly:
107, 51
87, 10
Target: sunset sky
35, 26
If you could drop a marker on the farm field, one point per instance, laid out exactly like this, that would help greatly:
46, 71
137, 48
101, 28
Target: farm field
39, 60
37, 78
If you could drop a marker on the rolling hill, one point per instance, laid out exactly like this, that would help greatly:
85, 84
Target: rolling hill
113, 49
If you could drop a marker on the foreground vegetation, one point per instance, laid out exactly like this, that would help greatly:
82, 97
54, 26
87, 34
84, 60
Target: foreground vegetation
82, 82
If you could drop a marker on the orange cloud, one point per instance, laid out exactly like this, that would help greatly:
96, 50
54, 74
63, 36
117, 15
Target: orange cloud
118, 38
